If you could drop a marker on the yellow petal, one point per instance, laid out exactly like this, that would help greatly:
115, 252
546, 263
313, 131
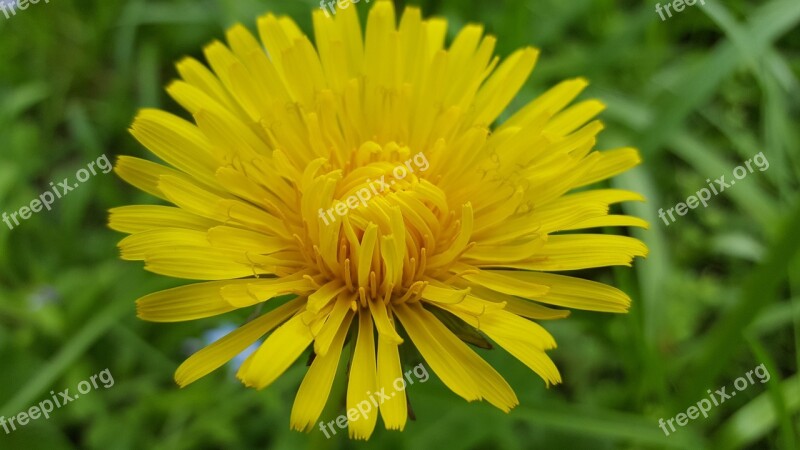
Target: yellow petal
394, 410
461, 241
144, 174
537, 360
316, 386
581, 251
524, 339
363, 381
498, 281
551, 102
609, 221
191, 197
135, 219
611, 163
246, 240
503, 85
199, 263
177, 142
223, 350
328, 331
383, 323
518, 306
442, 294
136, 246
488, 384
324, 295
261, 290
190, 302
365, 253
573, 117
446, 367
576, 293
276, 354
203, 80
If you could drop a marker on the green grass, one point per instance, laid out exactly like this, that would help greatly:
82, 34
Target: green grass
698, 94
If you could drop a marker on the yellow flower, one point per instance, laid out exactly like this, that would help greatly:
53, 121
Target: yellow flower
365, 176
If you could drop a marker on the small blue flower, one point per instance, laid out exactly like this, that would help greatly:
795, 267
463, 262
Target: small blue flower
44, 295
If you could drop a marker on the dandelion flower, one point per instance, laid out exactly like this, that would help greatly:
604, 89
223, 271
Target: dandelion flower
285, 132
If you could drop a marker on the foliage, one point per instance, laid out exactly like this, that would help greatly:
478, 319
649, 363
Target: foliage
698, 93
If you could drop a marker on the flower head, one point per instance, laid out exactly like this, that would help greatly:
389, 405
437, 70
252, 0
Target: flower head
364, 175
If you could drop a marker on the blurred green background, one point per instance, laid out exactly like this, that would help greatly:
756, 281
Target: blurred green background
698, 93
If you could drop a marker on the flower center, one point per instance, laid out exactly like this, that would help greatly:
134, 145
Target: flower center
386, 231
